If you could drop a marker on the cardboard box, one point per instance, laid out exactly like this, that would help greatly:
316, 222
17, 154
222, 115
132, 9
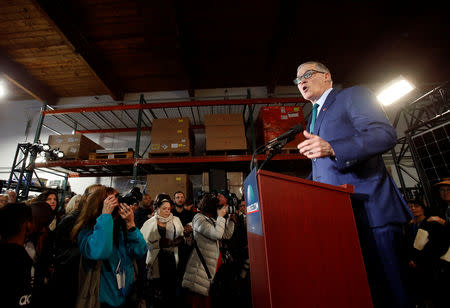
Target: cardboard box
169, 184
171, 136
225, 132
205, 179
170, 145
235, 178
214, 143
171, 123
178, 127
237, 189
224, 119
75, 146
275, 120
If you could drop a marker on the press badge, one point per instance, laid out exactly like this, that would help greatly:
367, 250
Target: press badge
120, 278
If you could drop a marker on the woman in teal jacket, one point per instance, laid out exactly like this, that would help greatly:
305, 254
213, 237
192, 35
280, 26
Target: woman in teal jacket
106, 231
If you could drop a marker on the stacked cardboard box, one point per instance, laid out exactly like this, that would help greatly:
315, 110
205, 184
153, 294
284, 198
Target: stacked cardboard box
235, 183
205, 181
74, 146
171, 136
275, 120
169, 184
225, 132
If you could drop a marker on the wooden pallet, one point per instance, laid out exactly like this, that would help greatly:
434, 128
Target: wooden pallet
128, 154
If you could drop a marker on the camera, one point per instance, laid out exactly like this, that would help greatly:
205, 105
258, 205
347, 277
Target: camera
232, 201
132, 197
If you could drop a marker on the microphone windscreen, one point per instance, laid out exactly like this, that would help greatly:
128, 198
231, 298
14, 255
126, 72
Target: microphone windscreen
297, 128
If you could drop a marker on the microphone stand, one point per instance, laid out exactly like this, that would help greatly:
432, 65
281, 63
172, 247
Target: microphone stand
274, 148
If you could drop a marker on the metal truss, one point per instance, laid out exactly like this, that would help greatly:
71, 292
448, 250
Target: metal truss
429, 110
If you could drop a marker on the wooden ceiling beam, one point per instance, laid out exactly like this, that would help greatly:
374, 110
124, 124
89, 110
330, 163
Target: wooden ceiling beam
183, 43
18, 75
59, 15
281, 41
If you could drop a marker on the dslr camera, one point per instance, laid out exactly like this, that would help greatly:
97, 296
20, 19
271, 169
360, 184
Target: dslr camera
232, 201
130, 198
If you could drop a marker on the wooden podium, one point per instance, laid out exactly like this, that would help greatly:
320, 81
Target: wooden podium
303, 244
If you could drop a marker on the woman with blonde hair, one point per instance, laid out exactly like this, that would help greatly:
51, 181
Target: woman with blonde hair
72, 205
106, 232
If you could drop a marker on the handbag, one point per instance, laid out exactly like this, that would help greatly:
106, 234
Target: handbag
89, 285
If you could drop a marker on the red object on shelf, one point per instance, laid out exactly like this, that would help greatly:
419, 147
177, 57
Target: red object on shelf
275, 120
303, 244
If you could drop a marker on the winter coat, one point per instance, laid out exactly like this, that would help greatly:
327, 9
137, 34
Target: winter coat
97, 244
151, 235
207, 236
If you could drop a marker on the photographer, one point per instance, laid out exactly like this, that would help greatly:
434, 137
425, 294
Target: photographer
210, 227
163, 234
108, 241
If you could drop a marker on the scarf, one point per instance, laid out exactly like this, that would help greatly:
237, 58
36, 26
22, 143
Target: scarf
170, 227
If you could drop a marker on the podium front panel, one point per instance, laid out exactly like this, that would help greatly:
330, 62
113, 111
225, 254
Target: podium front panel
308, 252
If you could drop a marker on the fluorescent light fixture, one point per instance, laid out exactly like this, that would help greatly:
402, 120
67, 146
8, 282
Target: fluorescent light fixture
2, 89
395, 90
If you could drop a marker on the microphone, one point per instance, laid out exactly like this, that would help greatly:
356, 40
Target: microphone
286, 136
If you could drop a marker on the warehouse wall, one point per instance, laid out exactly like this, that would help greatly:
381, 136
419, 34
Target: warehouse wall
18, 121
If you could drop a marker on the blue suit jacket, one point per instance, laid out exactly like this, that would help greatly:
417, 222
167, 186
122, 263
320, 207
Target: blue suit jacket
355, 125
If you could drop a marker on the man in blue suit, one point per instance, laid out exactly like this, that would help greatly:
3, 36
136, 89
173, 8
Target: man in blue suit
345, 137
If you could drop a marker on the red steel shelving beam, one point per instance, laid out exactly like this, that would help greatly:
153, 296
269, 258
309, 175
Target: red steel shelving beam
123, 130
252, 101
162, 160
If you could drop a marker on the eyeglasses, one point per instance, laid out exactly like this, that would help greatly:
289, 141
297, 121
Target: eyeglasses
444, 189
306, 75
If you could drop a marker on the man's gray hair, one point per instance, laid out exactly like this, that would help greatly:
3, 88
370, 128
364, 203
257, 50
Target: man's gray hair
319, 66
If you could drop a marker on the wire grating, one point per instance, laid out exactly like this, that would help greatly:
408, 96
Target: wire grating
433, 151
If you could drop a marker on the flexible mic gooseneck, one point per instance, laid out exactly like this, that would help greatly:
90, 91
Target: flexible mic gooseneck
286, 136
276, 144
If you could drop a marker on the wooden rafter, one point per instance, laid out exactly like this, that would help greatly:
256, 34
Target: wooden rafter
56, 14
19, 76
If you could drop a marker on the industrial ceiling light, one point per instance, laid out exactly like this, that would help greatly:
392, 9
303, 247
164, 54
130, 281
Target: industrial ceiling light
395, 90
2, 89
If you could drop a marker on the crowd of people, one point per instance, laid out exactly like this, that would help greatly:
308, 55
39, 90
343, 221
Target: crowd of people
427, 250
95, 251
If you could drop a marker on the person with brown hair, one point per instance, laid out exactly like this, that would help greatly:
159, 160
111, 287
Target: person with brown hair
16, 270
67, 254
51, 197
39, 247
106, 231
210, 226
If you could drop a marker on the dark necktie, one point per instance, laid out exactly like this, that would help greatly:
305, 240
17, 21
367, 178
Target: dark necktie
313, 118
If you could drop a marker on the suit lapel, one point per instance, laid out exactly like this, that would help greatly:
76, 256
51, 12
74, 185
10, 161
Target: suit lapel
328, 102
